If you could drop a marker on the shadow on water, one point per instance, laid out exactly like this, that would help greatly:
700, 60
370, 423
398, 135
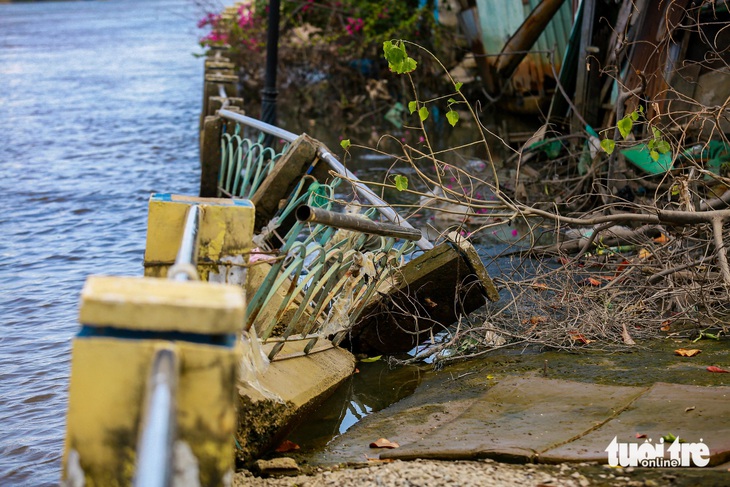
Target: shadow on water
375, 387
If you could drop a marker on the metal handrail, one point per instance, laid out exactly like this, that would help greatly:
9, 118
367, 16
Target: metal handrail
365, 192
157, 435
185, 267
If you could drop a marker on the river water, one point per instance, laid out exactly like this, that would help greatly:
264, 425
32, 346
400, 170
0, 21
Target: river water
99, 103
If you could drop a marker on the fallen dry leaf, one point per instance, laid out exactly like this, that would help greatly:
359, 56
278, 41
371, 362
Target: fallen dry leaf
661, 239
625, 336
592, 281
578, 337
691, 408
384, 443
683, 352
535, 320
286, 446
540, 286
622, 266
431, 303
643, 254
713, 368
640, 435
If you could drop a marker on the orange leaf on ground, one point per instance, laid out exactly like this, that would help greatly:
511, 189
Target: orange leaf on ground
534, 320
592, 281
286, 446
643, 254
623, 265
384, 443
713, 368
661, 239
540, 286
578, 337
640, 435
683, 352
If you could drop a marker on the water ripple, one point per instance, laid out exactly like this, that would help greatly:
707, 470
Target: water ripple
100, 105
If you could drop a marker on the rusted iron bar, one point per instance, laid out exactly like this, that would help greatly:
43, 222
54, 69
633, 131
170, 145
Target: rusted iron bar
306, 213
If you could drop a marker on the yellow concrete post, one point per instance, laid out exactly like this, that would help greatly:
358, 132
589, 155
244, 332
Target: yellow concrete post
226, 228
125, 321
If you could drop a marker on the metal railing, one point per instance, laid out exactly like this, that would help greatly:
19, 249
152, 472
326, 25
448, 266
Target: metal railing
366, 193
157, 435
154, 466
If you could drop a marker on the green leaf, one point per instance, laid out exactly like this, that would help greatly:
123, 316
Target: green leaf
656, 132
624, 126
458, 86
398, 60
401, 182
452, 116
345, 143
608, 145
423, 113
654, 155
663, 146
371, 359
412, 106
634, 116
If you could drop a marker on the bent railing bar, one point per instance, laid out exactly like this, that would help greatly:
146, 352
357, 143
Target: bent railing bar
365, 192
306, 213
157, 436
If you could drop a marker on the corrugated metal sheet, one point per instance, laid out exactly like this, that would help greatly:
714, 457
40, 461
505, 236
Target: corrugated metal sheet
500, 19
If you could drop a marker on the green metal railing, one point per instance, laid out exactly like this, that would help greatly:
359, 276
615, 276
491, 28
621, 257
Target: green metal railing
322, 277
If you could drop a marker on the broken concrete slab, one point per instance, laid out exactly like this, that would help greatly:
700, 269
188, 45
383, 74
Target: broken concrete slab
293, 384
521, 417
464, 412
692, 413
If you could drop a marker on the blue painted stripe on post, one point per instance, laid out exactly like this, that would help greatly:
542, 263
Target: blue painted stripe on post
222, 340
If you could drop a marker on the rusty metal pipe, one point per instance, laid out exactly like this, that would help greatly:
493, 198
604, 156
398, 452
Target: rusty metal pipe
307, 213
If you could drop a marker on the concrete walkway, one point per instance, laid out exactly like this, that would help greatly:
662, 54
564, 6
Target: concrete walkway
528, 418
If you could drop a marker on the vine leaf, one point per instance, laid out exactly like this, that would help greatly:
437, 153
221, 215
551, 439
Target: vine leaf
412, 106
624, 126
458, 85
401, 182
608, 145
345, 144
663, 146
423, 113
398, 60
452, 116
